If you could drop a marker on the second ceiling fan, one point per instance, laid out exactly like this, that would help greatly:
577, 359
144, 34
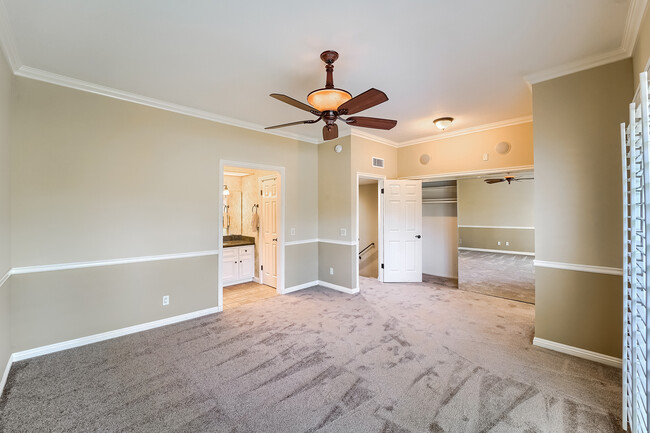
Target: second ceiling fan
330, 103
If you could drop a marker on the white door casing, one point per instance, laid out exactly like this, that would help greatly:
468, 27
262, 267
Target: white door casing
269, 237
402, 230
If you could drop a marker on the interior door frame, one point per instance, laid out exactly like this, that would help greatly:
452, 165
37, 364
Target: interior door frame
281, 218
380, 178
261, 250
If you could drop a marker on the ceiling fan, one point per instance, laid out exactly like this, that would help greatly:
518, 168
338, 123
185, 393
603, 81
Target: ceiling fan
330, 103
508, 179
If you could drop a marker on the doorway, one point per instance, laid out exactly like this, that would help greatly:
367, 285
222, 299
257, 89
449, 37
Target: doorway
251, 260
368, 227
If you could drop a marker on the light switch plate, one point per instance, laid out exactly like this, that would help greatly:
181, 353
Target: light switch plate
485, 157
293, 231
344, 232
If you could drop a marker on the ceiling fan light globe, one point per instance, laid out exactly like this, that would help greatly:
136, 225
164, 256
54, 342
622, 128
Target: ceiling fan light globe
328, 99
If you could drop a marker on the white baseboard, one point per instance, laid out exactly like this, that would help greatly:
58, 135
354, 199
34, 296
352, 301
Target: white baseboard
44, 350
580, 353
483, 250
5, 375
338, 288
300, 287
257, 280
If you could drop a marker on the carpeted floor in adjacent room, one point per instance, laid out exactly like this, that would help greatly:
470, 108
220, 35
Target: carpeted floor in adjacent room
395, 358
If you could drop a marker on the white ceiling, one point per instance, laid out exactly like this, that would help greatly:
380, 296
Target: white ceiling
465, 59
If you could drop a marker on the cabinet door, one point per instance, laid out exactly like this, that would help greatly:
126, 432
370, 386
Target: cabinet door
246, 262
230, 270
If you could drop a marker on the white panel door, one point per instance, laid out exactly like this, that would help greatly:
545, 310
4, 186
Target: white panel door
402, 231
270, 232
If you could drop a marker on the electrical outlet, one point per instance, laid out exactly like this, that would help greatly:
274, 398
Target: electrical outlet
507, 243
331, 271
165, 300
344, 232
485, 157
293, 231
499, 243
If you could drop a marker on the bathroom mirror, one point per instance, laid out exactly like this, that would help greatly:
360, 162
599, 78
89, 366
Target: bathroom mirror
232, 213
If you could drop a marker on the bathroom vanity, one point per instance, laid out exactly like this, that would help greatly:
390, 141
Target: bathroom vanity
238, 259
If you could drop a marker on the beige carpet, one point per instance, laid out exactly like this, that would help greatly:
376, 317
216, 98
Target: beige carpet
395, 358
509, 276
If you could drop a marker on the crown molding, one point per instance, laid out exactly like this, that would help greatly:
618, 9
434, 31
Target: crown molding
577, 66
73, 83
633, 24
363, 134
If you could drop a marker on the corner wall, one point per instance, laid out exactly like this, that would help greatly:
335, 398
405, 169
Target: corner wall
578, 201
334, 209
6, 90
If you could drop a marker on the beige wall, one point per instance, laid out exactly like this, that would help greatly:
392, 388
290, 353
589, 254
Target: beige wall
96, 178
6, 84
50, 307
335, 213
500, 204
578, 204
465, 153
368, 229
488, 239
641, 53
440, 239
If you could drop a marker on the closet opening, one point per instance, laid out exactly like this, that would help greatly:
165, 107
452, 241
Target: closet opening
439, 233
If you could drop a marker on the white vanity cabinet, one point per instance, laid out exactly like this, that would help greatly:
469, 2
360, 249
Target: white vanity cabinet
238, 264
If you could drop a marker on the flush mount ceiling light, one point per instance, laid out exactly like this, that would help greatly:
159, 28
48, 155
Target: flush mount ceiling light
225, 190
443, 123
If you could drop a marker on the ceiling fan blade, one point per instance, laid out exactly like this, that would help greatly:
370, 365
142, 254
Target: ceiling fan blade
491, 181
371, 122
361, 102
524, 178
330, 132
289, 100
301, 122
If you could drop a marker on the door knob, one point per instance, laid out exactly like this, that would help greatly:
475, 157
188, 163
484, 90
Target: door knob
418, 236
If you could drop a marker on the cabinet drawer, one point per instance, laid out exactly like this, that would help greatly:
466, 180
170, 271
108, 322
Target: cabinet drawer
230, 253
246, 251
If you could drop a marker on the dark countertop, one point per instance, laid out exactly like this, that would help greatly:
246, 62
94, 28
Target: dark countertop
237, 241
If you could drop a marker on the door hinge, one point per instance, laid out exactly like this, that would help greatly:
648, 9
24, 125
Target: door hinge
382, 266
382, 190
262, 268
261, 192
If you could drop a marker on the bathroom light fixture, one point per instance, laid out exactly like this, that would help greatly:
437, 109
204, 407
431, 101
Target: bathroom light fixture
443, 122
225, 190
